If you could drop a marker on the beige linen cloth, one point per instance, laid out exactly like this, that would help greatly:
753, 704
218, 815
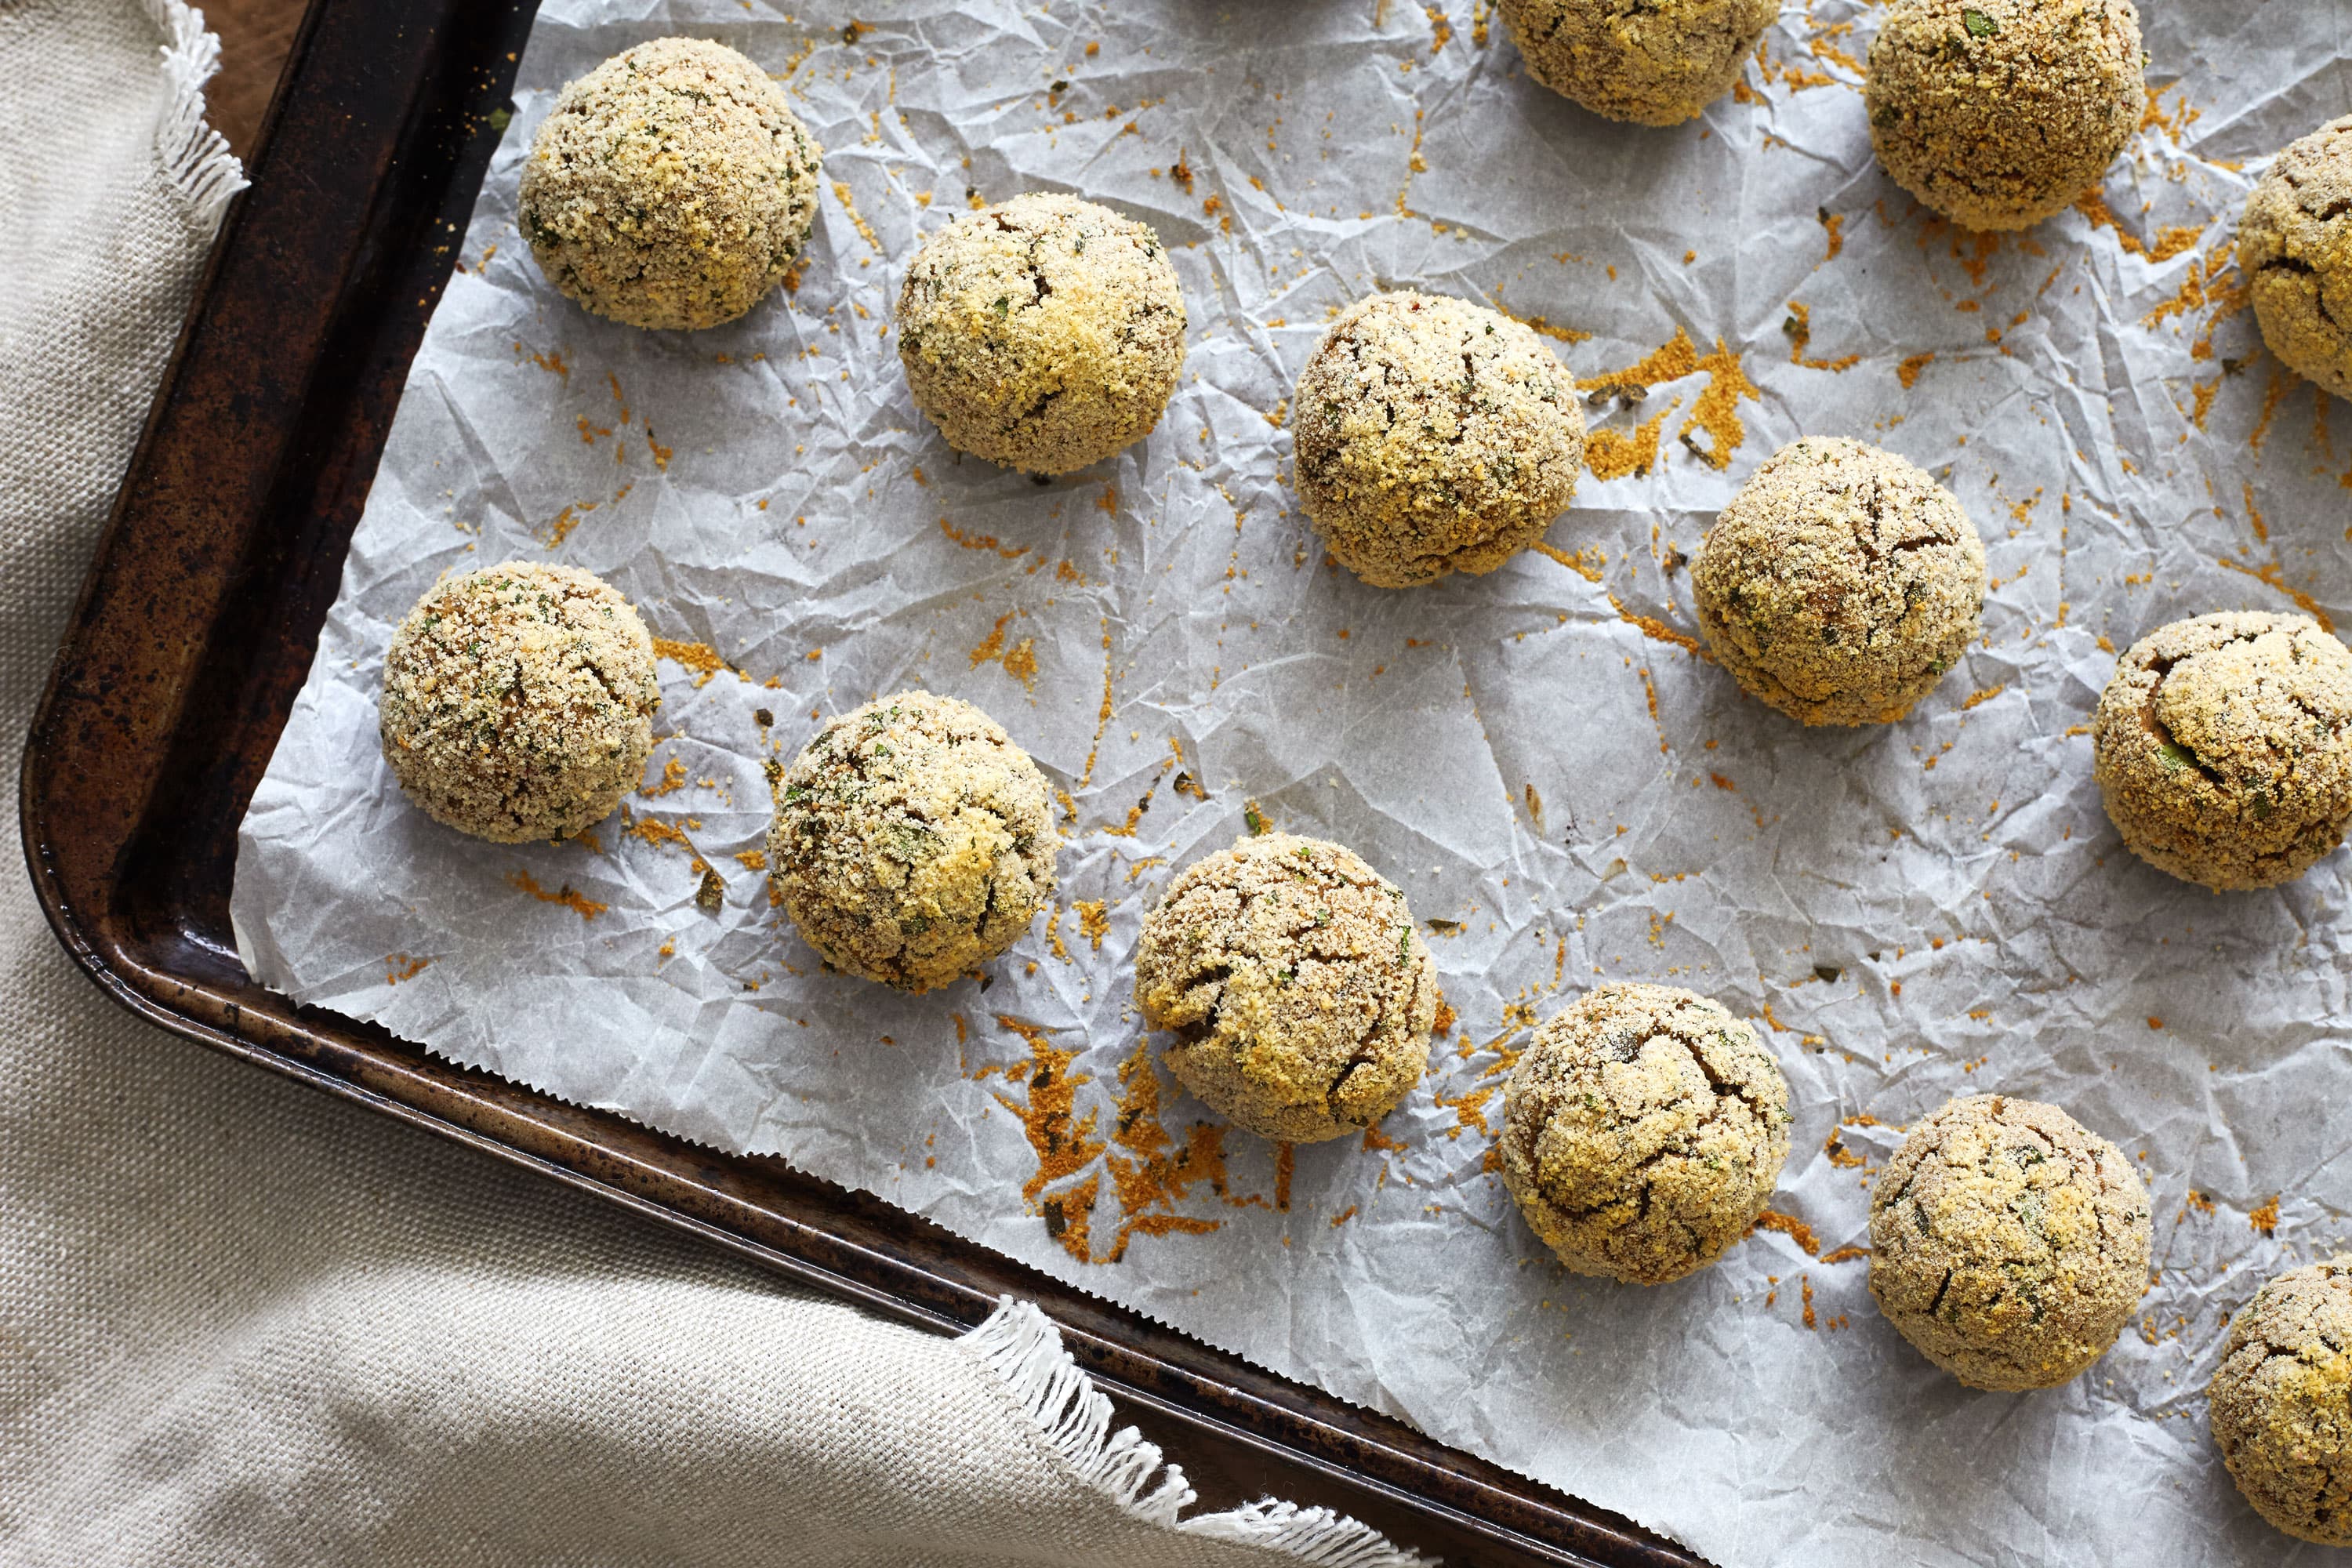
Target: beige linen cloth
242, 1323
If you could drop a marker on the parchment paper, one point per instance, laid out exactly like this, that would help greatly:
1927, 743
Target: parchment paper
1912, 912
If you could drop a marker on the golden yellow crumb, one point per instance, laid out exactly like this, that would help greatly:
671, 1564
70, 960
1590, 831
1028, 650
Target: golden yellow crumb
1644, 1130
1434, 435
2224, 748
1300, 993
2008, 1245
2000, 113
1840, 584
1654, 62
912, 841
1043, 334
517, 701
670, 187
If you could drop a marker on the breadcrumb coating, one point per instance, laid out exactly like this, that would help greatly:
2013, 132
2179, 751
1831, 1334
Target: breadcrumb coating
1298, 987
1644, 1130
2281, 1402
2224, 748
2000, 113
912, 841
1654, 62
670, 187
2295, 250
2007, 1244
517, 701
1043, 334
1432, 436
1840, 584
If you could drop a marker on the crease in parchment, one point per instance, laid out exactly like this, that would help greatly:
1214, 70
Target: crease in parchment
1931, 908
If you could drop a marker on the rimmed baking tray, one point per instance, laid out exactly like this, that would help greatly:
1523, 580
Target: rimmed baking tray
196, 627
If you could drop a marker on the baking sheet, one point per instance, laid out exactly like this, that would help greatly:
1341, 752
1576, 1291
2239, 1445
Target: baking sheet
1935, 908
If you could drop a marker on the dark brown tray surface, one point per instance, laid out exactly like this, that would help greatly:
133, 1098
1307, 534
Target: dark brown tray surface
196, 627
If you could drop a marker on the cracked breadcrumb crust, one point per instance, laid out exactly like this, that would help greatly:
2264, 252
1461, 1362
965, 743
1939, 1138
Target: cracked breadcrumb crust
1043, 334
912, 841
517, 701
1652, 62
2295, 250
2280, 1404
1841, 583
2224, 748
1298, 987
1432, 436
2001, 113
670, 187
1644, 1130
2008, 1245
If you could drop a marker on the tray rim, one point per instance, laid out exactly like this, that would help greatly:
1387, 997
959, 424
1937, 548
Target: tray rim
172, 974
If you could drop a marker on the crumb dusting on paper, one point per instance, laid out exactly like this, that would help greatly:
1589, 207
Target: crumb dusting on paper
1165, 634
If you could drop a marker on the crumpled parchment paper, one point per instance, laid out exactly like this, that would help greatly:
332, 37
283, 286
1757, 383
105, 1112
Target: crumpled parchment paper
1563, 789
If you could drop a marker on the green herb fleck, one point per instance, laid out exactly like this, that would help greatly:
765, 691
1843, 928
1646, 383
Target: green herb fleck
1978, 24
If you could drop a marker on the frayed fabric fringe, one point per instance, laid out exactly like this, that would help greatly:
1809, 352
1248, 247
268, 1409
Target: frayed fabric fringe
1020, 1344
194, 158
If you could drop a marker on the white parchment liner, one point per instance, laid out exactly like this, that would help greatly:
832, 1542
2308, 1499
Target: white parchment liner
1935, 908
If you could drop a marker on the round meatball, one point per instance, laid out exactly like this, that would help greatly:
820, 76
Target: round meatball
1434, 435
2280, 1403
669, 187
1840, 584
912, 841
2007, 1244
1043, 334
2294, 249
1654, 62
2000, 113
2224, 748
1644, 1130
1299, 990
518, 701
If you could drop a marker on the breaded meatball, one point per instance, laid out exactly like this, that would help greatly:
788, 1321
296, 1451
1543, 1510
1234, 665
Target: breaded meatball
1840, 584
2000, 113
912, 842
1300, 993
672, 186
2007, 1244
1654, 62
2224, 748
517, 701
2281, 1402
1644, 1130
2295, 250
1434, 435
1043, 334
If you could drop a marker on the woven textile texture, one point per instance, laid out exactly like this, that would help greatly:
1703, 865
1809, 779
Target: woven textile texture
241, 1324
